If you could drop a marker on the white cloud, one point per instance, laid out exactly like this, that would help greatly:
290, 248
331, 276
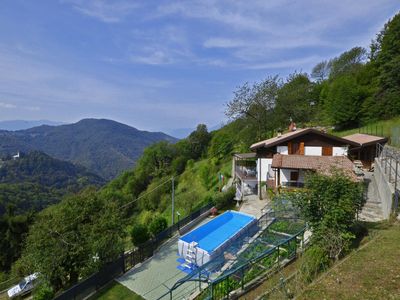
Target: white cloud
105, 10
7, 105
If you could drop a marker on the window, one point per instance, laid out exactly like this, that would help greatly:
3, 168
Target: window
294, 175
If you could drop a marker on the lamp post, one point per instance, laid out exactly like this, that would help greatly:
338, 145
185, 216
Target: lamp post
179, 225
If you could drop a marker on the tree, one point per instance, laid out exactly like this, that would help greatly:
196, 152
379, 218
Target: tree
385, 55
348, 62
139, 234
329, 205
321, 71
294, 100
344, 101
198, 141
255, 103
73, 239
158, 224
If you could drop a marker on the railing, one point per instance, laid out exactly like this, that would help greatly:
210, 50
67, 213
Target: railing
293, 184
269, 261
389, 159
126, 261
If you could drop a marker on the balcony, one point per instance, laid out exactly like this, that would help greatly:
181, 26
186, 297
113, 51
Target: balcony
292, 184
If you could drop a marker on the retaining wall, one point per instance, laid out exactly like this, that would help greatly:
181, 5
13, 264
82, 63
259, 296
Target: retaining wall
385, 190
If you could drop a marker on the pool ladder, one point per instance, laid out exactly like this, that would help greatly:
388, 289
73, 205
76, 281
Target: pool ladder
190, 258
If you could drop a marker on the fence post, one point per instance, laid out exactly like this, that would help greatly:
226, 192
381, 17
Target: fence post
390, 169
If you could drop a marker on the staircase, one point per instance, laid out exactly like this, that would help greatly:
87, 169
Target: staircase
190, 257
372, 209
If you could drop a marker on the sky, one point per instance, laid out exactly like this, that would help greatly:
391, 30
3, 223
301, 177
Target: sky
164, 65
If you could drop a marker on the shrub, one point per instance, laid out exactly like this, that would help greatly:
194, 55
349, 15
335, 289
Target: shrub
139, 234
43, 292
157, 225
314, 261
222, 200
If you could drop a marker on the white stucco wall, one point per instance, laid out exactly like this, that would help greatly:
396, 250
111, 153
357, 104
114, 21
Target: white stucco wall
312, 150
337, 151
282, 149
265, 166
285, 175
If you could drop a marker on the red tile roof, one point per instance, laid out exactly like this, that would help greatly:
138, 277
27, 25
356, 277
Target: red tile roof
325, 165
299, 132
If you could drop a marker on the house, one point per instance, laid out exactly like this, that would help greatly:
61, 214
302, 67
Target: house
16, 156
283, 161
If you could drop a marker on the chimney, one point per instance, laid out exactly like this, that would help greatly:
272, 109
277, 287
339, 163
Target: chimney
292, 126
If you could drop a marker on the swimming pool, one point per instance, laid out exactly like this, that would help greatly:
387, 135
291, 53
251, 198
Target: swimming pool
209, 240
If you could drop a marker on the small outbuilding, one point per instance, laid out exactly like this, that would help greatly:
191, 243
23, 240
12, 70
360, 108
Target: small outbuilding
367, 147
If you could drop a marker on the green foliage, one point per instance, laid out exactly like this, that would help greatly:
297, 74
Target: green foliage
294, 100
74, 238
43, 292
158, 224
224, 199
329, 205
313, 262
139, 234
343, 102
386, 57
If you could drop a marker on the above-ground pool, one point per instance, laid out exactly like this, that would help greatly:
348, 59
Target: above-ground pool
209, 240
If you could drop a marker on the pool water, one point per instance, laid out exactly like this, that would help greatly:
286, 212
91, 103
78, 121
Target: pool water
216, 232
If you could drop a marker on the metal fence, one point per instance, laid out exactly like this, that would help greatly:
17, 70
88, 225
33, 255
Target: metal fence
389, 159
127, 260
269, 261
146, 250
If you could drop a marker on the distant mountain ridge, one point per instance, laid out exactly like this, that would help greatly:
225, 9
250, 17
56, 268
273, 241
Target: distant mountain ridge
13, 125
104, 147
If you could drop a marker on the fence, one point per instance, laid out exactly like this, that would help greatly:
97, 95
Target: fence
389, 159
127, 260
238, 278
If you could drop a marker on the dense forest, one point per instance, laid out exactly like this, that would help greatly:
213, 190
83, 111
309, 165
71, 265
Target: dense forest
29, 184
352, 89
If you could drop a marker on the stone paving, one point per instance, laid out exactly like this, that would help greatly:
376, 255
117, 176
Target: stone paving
153, 278
252, 205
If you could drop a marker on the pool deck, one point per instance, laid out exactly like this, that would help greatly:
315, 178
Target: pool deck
153, 278
253, 206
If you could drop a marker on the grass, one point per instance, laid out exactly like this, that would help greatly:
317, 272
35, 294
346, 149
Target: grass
372, 272
115, 291
380, 128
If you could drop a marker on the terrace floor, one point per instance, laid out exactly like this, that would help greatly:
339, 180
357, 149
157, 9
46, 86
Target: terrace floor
153, 278
252, 205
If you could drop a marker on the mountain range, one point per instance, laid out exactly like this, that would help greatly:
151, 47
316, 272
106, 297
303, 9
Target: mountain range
25, 124
104, 147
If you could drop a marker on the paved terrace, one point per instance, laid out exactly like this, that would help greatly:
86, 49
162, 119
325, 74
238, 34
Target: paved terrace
153, 278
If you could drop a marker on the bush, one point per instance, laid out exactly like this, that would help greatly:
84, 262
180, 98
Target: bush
224, 199
139, 234
157, 225
43, 292
314, 261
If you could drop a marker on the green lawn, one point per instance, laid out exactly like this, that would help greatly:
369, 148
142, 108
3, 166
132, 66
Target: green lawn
115, 291
373, 272
378, 128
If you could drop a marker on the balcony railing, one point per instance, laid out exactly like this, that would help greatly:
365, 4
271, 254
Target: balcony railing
296, 184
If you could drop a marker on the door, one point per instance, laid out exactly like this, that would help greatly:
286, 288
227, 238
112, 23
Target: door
327, 151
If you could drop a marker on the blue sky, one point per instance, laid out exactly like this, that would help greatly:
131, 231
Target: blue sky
162, 65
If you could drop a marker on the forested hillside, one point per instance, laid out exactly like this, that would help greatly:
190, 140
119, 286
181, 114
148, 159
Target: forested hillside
29, 184
37, 180
352, 89
104, 147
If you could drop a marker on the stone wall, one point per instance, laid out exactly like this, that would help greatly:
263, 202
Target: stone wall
385, 190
